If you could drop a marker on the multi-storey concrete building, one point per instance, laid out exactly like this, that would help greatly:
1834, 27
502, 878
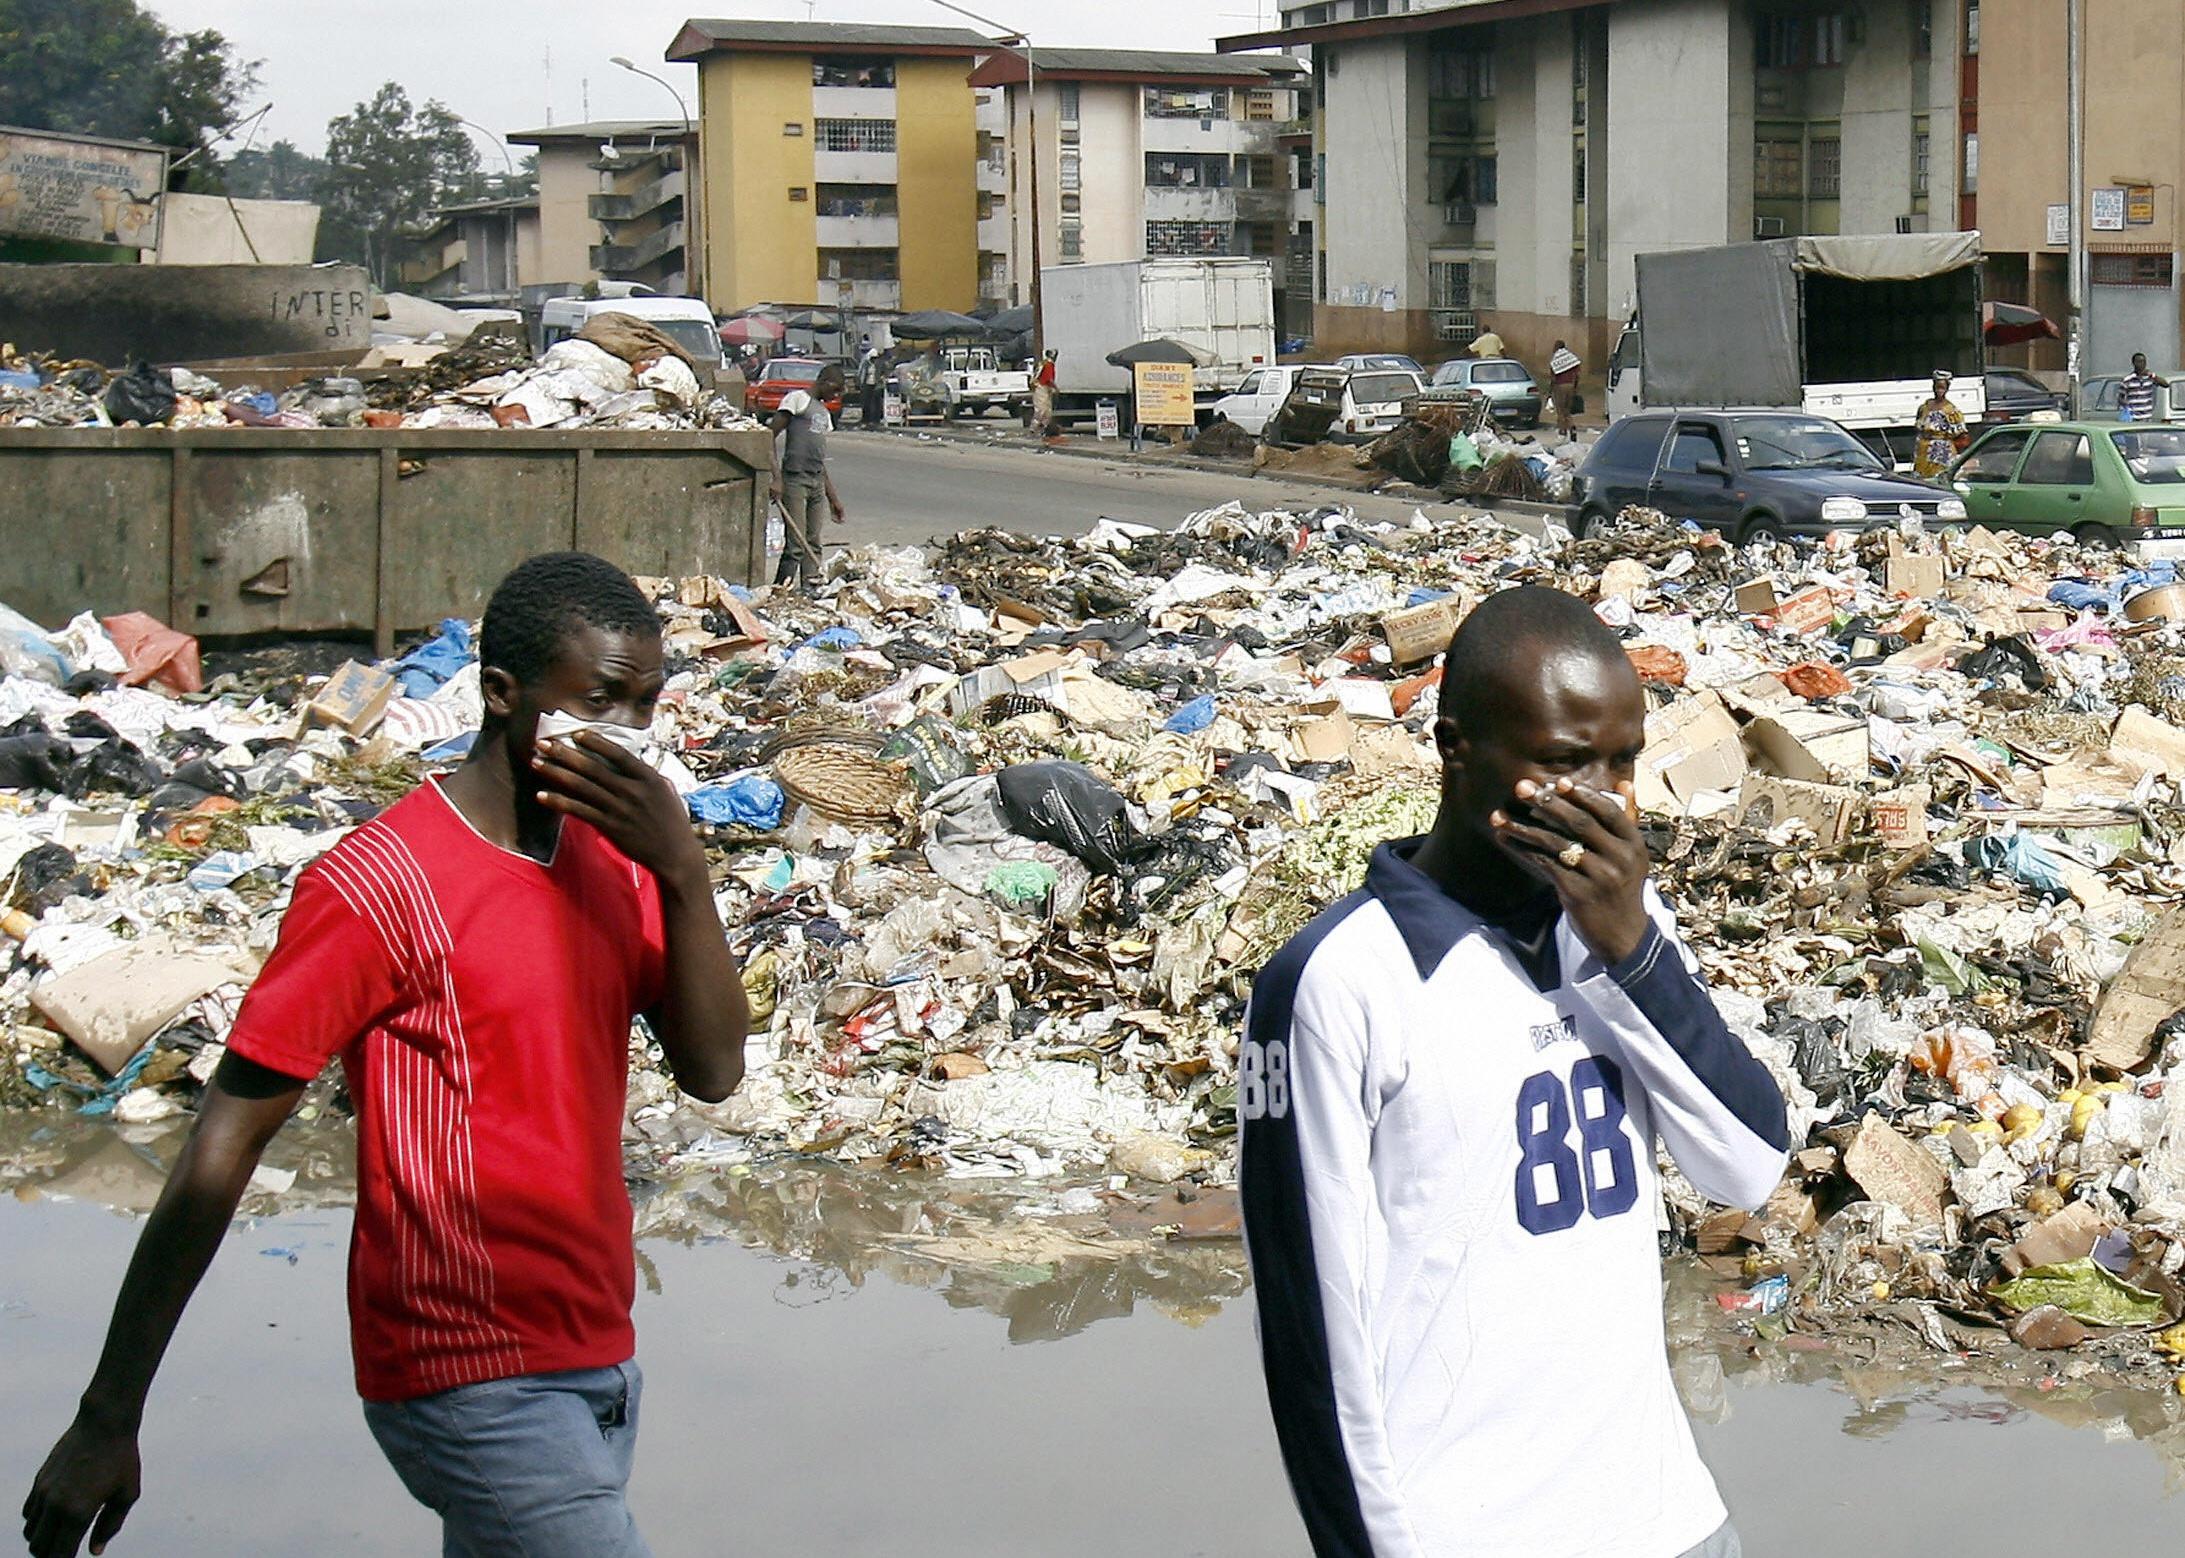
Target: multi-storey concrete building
1142, 153
1498, 163
840, 163
482, 250
614, 204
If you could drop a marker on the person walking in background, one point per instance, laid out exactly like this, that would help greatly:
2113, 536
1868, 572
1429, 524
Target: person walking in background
473, 956
1043, 394
1563, 366
1938, 430
802, 484
2136, 391
1449, 1089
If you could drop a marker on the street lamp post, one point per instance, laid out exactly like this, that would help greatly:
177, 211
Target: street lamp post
2075, 161
499, 145
694, 169
1013, 38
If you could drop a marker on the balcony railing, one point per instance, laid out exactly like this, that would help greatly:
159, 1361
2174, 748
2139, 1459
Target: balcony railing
638, 202
608, 258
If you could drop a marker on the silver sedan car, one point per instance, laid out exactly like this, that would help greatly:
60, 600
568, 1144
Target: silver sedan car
1511, 392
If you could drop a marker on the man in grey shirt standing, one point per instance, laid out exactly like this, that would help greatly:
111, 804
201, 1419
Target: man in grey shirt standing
801, 482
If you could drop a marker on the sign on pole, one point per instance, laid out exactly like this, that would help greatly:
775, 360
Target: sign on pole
75, 187
1164, 394
2108, 210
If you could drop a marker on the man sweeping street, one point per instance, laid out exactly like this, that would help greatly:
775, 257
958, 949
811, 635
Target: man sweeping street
1450, 1087
802, 484
474, 957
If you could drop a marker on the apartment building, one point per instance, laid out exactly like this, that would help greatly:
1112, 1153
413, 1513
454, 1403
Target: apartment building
840, 163
614, 204
482, 251
1497, 164
1143, 153
2012, 146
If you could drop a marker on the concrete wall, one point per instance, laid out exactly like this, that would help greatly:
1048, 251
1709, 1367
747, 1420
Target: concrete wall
1669, 145
118, 313
937, 150
213, 230
1376, 171
763, 246
1111, 149
566, 230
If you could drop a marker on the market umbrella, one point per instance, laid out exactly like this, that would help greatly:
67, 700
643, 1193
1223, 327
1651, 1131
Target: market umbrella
1160, 350
1012, 321
934, 324
816, 322
752, 330
2008, 324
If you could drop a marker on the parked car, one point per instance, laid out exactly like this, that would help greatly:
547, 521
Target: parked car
2107, 483
1371, 362
782, 375
1255, 400
1750, 475
2098, 398
2014, 395
1512, 393
1332, 405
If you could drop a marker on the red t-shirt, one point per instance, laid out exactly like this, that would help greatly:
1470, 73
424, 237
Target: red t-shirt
480, 1003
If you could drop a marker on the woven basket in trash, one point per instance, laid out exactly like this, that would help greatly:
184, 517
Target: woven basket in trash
840, 775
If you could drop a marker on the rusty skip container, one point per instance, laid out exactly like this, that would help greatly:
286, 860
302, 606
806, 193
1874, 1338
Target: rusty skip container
226, 532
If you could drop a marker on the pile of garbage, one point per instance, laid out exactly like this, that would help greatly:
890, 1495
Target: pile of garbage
618, 372
1001, 829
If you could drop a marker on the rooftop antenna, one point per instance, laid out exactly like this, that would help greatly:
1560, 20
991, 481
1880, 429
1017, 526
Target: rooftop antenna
584, 84
549, 83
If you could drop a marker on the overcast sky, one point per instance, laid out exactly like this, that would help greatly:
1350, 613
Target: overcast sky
488, 61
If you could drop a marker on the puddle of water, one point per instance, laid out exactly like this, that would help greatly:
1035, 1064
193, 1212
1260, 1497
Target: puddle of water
834, 1366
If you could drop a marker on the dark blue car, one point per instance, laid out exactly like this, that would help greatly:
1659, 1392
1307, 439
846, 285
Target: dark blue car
1750, 475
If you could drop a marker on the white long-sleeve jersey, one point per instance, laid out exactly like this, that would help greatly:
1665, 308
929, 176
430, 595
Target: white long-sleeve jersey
1449, 1204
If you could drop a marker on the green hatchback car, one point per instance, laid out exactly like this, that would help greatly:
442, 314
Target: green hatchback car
2107, 483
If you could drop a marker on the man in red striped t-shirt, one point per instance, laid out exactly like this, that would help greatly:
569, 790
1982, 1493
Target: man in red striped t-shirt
474, 957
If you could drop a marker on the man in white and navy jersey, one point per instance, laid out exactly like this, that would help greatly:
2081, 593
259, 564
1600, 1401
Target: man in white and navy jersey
1450, 1088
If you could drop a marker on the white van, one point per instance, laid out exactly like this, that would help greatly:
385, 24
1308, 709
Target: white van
685, 321
1256, 399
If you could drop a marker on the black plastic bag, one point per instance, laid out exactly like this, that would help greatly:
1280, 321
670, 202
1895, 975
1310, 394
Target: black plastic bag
44, 877
2009, 655
1067, 805
32, 762
143, 395
116, 766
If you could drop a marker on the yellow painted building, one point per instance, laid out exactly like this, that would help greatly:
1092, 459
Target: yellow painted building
839, 163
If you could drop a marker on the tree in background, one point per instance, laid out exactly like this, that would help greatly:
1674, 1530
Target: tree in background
387, 164
280, 172
109, 67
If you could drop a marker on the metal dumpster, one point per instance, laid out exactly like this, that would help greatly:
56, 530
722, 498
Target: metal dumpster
225, 532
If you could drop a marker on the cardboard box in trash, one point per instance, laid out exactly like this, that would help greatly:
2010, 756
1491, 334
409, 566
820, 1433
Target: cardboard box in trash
355, 698
1809, 744
1422, 632
1692, 749
1830, 810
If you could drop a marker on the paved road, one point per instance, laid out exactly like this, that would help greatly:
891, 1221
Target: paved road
902, 489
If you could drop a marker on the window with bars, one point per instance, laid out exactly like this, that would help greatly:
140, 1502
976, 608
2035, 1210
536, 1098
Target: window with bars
854, 134
1971, 180
1183, 103
1923, 28
1185, 170
1070, 163
1778, 167
1187, 237
1460, 284
1922, 152
2129, 269
865, 200
1454, 73
1466, 179
1069, 95
1259, 104
1972, 26
1824, 167
1072, 241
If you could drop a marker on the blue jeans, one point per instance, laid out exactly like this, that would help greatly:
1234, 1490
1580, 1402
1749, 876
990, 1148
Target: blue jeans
530, 1467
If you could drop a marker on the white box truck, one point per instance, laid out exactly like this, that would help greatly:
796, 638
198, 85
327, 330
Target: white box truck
1223, 307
